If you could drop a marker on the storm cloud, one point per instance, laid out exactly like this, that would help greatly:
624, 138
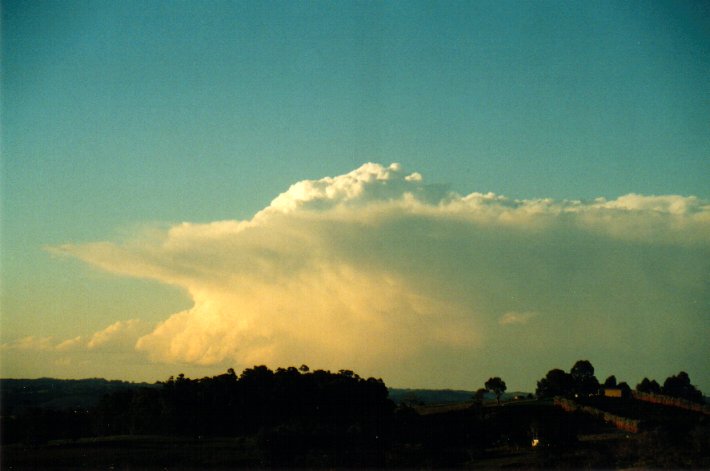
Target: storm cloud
377, 271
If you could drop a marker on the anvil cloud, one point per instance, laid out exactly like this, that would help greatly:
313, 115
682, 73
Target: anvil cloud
377, 271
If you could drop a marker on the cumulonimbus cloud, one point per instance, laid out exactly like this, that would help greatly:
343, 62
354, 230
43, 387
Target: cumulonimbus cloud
375, 269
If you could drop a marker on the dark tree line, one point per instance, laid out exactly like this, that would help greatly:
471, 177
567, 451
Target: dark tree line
233, 405
297, 417
258, 400
581, 382
674, 386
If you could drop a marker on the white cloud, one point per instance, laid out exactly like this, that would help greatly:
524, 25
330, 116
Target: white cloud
377, 271
512, 318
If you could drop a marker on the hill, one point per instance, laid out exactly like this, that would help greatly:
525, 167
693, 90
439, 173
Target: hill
442, 396
19, 395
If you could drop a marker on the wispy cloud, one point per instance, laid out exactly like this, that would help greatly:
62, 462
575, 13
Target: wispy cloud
30, 342
109, 352
512, 318
376, 269
121, 335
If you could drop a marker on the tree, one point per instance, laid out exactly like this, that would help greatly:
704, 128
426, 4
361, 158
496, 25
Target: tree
555, 383
496, 386
610, 382
585, 383
679, 386
649, 386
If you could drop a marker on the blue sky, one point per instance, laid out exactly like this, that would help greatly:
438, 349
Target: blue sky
123, 117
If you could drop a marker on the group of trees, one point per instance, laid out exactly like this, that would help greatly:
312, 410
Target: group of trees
580, 381
674, 386
230, 405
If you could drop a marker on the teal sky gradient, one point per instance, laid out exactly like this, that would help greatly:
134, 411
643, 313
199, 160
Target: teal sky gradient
117, 115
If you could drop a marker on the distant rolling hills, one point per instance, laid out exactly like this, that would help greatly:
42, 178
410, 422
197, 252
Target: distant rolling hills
441, 396
58, 394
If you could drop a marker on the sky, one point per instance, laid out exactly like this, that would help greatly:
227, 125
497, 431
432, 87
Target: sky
429, 192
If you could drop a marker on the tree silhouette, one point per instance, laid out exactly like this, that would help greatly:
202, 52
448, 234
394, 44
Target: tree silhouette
497, 386
555, 383
679, 386
585, 383
649, 386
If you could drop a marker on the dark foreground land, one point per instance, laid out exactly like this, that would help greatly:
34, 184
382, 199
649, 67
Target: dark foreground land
336, 420
475, 437
468, 438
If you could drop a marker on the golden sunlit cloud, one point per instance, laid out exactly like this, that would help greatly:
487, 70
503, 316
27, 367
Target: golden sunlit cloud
119, 334
376, 270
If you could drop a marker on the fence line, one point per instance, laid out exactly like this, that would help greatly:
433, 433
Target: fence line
622, 423
671, 401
